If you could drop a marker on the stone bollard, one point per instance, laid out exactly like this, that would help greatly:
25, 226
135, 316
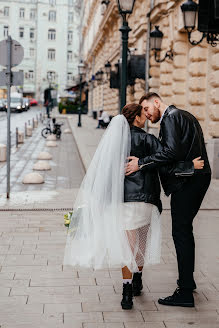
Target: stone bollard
20, 137
51, 144
33, 178
3, 153
42, 166
44, 155
29, 131
35, 124
51, 137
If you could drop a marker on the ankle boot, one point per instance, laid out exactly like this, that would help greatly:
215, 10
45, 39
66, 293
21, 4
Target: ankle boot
137, 283
127, 297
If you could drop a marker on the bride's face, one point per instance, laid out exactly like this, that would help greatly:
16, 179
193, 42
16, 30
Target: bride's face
140, 120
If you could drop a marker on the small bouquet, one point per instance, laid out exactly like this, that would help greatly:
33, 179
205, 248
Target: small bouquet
67, 218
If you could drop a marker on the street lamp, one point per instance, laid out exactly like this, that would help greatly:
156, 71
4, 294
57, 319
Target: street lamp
108, 68
125, 7
190, 10
81, 71
156, 37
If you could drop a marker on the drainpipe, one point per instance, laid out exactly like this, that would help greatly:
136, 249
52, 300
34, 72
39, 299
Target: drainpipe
147, 55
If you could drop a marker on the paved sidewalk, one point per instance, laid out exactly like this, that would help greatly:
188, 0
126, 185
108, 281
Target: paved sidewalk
37, 291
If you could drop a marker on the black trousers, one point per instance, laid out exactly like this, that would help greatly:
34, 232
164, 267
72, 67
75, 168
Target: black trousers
185, 204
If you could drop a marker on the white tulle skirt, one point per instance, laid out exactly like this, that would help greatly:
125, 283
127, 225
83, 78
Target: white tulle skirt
139, 229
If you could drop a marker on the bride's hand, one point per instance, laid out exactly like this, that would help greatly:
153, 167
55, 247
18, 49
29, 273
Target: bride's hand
132, 166
198, 163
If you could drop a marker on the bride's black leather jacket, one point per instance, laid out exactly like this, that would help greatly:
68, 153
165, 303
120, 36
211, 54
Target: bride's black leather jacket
144, 185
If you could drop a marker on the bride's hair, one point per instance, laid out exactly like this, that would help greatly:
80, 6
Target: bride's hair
130, 111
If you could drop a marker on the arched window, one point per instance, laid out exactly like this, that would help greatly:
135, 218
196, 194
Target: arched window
51, 54
51, 34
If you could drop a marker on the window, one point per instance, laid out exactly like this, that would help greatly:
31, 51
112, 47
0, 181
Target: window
52, 15
52, 2
70, 35
31, 75
70, 17
51, 34
51, 54
32, 33
6, 11
69, 77
32, 52
22, 12
70, 2
5, 31
51, 76
32, 14
69, 56
21, 32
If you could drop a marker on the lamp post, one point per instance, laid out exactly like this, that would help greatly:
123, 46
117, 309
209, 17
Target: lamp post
156, 37
81, 71
125, 7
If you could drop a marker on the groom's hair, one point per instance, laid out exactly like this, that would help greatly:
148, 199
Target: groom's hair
149, 96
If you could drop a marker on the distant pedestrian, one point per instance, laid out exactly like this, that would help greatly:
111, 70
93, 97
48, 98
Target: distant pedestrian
103, 119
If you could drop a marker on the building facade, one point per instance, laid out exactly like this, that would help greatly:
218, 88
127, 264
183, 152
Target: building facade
190, 80
49, 31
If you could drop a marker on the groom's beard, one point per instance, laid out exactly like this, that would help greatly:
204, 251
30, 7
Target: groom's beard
156, 115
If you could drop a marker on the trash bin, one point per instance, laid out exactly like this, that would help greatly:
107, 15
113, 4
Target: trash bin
94, 114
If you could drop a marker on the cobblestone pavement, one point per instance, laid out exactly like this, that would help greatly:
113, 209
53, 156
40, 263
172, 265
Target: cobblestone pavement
37, 291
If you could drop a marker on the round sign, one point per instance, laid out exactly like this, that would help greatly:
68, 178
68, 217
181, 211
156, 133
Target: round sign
17, 53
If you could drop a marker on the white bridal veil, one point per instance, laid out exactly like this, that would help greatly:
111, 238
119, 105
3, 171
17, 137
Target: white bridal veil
96, 236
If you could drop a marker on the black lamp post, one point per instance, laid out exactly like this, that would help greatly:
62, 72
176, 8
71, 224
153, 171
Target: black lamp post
81, 71
156, 37
125, 7
190, 10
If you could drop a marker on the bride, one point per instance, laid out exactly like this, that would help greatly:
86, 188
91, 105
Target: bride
116, 218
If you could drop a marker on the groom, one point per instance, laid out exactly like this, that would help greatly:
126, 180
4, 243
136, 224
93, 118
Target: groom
182, 139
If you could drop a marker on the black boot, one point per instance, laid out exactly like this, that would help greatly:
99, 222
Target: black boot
193, 287
137, 283
127, 297
181, 297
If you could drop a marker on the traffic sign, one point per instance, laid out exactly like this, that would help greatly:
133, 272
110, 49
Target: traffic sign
17, 78
17, 53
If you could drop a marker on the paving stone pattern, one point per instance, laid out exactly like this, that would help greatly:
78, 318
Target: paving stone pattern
37, 290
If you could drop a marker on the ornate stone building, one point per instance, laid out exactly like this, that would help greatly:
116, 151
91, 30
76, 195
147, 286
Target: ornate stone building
189, 81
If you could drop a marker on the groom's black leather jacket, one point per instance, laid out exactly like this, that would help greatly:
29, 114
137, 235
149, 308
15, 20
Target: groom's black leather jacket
182, 139
144, 185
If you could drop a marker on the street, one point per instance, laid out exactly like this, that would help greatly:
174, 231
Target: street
17, 121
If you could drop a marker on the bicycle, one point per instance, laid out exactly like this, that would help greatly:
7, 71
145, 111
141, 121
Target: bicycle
55, 130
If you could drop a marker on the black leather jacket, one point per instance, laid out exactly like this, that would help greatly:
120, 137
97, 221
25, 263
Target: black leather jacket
144, 185
182, 139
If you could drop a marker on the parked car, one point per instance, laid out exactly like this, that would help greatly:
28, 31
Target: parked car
26, 103
16, 103
33, 102
2, 105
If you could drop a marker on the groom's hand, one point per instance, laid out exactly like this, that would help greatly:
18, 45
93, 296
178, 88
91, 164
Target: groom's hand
132, 166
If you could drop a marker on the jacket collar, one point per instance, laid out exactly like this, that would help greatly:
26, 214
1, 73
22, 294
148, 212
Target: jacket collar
136, 128
168, 110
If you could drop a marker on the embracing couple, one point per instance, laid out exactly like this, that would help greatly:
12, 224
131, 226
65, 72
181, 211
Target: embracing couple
116, 221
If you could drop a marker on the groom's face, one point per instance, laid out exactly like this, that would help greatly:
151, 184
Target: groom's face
152, 111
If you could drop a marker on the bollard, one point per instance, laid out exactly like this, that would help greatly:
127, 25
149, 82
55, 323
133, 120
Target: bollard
25, 130
28, 122
16, 137
29, 131
3, 153
33, 123
20, 137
